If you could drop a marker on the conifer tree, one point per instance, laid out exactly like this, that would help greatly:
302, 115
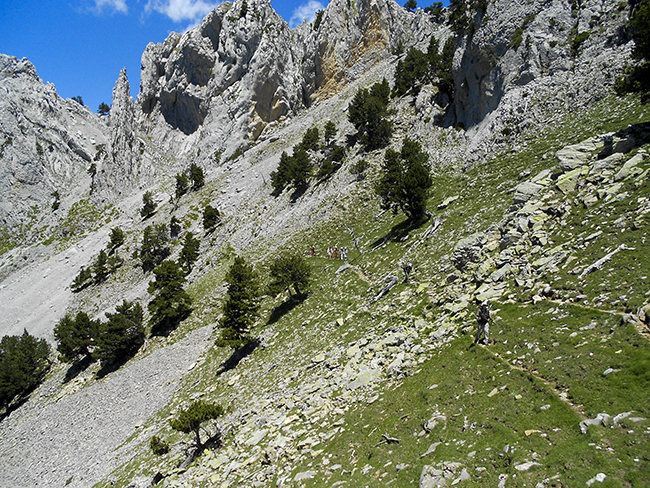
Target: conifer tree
182, 185
171, 303
74, 336
82, 280
154, 246
406, 180
197, 176
329, 131
23, 363
241, 308
117, 238
211, 218
290, 270
368, 111
190, 420
148, 205
189, 253
100, 267
121, 336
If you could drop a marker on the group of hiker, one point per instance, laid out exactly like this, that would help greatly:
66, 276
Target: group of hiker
334, 252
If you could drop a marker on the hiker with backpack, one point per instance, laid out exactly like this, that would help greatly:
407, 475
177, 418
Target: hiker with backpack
483, 318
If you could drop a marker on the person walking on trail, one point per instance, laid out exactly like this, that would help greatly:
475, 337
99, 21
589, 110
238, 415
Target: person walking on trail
483, 318
313, 251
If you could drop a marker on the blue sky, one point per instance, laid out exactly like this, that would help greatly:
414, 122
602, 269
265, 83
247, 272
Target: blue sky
81, 45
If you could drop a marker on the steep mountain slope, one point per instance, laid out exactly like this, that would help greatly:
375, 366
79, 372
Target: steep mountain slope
349, 387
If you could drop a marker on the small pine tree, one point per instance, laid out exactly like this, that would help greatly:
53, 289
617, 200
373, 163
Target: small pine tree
189, 253
182, 185
300, 169
121, 336
174, 227
100, 267
74, 336
117, 238
190, 419
171, 303
367, 112
310, 140
154, 247
289, 270
211, 218
148, 205
242, 305
197, 176
329, 131
92, 171
82, 280
103, 109
280, 178
411, 5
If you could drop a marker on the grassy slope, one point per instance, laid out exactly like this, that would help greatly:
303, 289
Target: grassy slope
518, 400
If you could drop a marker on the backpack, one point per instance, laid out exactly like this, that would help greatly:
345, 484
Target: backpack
483, 314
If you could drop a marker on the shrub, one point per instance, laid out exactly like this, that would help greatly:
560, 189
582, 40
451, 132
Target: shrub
158, 446
318, 19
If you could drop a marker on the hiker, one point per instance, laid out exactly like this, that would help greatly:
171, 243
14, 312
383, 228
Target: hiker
313, 251
336, 252
483, 318
329, 252
407, 268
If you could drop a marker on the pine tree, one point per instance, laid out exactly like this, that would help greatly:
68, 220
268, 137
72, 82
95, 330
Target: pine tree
23, 363
211, 218
82, 280
171, 303
100, 267
406, 180
103, 109
189, 253
242, 305
182, 185
74, 336
329, 131
197, 176
154, 247
190, 419
117, 238
367, 112
121, 336
148, 205
289, 270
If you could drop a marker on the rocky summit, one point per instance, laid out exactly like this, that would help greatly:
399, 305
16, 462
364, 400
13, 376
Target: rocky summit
289, 232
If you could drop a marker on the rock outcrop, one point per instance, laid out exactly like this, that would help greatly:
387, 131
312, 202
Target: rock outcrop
46, 145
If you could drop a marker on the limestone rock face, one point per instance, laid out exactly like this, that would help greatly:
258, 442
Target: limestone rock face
120, 169
46, 144
243, 70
